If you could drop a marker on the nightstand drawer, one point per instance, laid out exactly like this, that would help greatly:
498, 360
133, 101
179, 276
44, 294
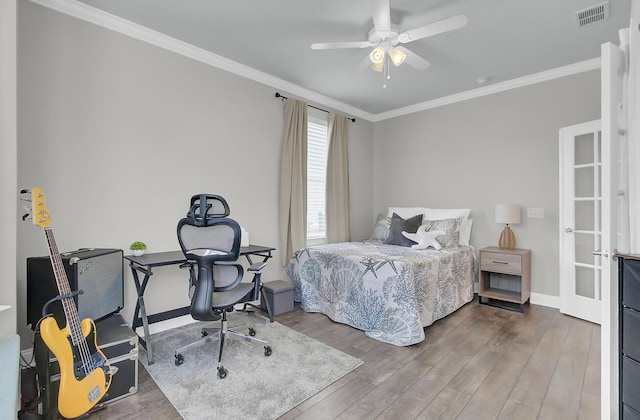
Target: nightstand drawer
501, 263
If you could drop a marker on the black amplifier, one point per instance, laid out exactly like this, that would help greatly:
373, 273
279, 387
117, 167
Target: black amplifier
97, 272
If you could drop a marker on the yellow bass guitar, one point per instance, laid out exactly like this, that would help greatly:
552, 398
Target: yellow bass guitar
85, 375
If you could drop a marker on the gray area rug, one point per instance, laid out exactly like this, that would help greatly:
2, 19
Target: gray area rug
256, 387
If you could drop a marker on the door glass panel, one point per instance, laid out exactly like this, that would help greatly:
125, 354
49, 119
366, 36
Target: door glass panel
584, 149
585, 215
584, 182
584, 282
584, 248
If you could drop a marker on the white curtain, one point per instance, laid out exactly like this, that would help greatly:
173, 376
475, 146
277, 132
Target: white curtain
633, 125
293, 180
338, 214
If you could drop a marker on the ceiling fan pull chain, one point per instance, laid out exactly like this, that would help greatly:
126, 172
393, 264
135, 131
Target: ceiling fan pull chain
385, 74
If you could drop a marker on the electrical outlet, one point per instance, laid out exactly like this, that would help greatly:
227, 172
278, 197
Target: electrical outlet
535, 213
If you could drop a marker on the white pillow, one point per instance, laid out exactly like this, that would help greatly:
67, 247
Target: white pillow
465, 232
406, 212
441, 214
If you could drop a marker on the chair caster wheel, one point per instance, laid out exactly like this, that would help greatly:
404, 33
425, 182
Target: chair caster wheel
179, 359
204, 333
252, 332
222, 372
267, 351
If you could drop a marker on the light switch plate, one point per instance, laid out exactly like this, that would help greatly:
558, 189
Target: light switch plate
535, 213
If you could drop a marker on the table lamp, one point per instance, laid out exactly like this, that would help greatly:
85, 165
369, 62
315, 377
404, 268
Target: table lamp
507, 214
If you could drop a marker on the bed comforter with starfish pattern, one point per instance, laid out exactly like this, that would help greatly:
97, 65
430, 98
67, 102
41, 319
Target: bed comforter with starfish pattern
391, 292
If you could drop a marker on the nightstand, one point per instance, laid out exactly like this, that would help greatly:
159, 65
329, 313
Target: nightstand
505, 277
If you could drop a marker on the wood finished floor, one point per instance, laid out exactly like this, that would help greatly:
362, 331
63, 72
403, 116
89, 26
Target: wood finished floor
479, 363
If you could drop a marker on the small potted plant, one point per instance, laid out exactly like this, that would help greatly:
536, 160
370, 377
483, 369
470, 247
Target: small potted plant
138, 248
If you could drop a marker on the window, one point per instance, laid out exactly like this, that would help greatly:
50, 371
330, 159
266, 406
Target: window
317, 147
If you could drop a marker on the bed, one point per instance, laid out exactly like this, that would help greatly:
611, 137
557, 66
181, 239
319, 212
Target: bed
389, 290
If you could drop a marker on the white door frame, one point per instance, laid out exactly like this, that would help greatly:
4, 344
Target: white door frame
612, 71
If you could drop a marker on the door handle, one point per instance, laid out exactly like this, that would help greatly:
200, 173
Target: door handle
568, 230
604, 253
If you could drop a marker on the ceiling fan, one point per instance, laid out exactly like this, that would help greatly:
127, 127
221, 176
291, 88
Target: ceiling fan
384, 37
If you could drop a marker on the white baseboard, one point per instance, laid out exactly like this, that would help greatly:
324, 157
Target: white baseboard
536, 299
167, 325
153, 329
545, 300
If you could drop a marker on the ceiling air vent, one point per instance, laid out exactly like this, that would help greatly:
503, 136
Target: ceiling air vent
593, 14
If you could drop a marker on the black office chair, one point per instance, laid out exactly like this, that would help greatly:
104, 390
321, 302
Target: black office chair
211, 244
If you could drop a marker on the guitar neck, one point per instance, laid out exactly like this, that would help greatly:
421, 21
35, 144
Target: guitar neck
64, 289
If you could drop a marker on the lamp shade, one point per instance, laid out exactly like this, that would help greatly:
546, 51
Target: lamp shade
378, 67
507, 213
397, 56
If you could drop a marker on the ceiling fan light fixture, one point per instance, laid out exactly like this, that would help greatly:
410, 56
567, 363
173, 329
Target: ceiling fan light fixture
378, 66
397, 56
377, 56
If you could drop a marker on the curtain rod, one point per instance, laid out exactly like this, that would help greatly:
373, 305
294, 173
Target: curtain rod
278, 95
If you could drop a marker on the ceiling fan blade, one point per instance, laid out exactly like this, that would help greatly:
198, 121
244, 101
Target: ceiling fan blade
414, 60
435, 28
337, 45
381, 14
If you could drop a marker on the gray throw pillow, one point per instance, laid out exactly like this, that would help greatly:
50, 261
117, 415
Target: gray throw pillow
398, 224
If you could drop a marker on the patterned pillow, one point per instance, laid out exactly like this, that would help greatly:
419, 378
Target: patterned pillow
381, 229
398, 224
452, 229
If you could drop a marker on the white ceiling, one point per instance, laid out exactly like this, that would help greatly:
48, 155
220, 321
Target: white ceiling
503, 40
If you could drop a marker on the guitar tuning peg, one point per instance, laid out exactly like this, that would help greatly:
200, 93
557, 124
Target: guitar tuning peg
26, 216
25, 191
25, 199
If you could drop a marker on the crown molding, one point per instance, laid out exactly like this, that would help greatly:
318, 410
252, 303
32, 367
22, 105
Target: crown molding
101, 18
531, 79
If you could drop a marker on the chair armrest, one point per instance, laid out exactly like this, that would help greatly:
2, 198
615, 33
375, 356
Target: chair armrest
257, 267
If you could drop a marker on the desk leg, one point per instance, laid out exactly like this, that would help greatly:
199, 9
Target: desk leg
145, 327
142, 311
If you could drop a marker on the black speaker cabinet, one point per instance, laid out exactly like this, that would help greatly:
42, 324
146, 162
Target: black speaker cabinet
97, 272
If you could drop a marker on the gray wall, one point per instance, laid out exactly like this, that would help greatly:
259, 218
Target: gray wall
119, 134
8, 165
500, 148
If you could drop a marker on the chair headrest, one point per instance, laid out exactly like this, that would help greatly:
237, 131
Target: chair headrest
205, 207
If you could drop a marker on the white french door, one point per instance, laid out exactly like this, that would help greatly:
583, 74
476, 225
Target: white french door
581, 221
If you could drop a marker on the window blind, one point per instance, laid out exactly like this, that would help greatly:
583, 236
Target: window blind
316, 178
